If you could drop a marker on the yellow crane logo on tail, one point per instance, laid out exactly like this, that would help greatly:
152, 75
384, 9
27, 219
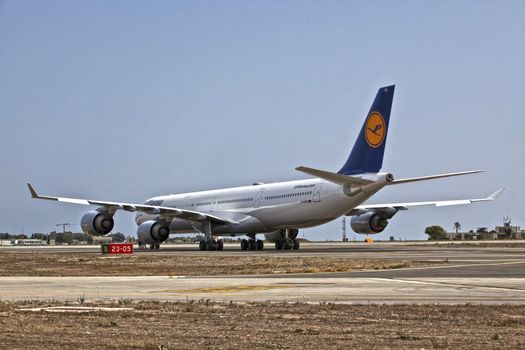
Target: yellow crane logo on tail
375, 129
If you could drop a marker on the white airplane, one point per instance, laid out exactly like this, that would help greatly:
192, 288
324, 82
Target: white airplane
277, 210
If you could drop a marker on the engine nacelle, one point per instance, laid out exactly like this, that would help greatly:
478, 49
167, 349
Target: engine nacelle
151, 232
369, 223
280, 234
97, 223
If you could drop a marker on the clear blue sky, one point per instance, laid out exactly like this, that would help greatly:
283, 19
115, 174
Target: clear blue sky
124, 100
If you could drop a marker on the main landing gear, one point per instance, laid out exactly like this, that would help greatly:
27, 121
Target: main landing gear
208, 243
154, 246
252, 243
288, 240
287, 244
211, 244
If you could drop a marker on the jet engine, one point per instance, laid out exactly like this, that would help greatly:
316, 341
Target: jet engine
151, 232
97, 223
369, 223
281, 234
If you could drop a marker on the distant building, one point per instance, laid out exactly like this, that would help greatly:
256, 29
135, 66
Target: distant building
488, 236
517, 235
456, 236
102, 239
30, 242
482, 233
4, 242
503, 229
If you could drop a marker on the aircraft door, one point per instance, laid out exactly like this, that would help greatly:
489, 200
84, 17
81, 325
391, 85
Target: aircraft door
317, 192
186, 203
213, 203
258, 198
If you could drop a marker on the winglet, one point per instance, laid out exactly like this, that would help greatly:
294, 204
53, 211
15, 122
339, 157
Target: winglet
495, 195
32, 190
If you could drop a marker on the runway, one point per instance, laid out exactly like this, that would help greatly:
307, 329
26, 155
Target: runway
467, 274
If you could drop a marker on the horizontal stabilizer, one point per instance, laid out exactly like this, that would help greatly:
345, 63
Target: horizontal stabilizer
336, 178
431, 177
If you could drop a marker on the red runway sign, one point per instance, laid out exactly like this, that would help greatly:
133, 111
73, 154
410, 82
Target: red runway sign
117, 248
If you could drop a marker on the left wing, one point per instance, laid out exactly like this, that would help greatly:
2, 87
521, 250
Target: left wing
404, 206
189, 215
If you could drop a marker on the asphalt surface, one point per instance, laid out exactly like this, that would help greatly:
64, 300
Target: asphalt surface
466, 274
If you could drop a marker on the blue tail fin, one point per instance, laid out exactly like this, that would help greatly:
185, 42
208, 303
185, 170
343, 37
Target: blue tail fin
367, 154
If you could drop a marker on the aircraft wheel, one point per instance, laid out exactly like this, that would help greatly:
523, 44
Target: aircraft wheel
152, 246
202, 245
220, 244
260, 245
279, 244
244, 244
157, 246
211, 245
288, 244
252, 244
295, 244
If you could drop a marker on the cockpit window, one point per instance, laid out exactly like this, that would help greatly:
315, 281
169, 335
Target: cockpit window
156, 203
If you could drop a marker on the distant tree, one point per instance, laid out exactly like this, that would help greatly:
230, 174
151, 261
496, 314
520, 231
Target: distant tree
78, 236
64, 237
59, 237
38, 235
118, 237
457, 226
436, 233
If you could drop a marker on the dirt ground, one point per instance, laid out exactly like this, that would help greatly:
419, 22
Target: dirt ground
92, 264
482, 244
209, 325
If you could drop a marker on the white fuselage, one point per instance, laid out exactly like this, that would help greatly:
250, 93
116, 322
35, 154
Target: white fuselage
262, 208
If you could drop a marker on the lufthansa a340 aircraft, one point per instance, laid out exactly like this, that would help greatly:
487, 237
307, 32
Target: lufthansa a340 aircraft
277, 210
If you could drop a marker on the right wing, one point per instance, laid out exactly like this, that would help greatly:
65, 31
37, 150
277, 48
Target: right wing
189, 215
404, 206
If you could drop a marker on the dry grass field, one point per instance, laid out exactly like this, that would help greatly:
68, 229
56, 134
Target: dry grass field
92, 264
209, 325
